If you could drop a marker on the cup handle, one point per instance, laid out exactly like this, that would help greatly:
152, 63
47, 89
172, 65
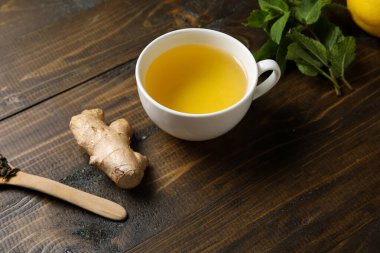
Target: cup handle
267, 84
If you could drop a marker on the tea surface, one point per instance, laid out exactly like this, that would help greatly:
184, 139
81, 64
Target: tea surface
195, 79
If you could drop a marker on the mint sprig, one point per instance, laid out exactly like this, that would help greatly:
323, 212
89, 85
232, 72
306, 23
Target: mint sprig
299, 32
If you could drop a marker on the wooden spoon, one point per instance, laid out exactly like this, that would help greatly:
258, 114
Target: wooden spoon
92, 203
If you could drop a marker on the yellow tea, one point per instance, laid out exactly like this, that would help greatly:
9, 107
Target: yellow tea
195, 79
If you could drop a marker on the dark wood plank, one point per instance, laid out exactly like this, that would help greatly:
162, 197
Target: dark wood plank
60, 55
72, 51
20, 18
298, 173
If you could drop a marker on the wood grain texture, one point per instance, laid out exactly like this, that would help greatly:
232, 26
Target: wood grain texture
20, 18
298, 174
86, 42
63, 55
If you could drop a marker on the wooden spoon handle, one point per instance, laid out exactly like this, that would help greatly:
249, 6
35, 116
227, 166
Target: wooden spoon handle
92, 203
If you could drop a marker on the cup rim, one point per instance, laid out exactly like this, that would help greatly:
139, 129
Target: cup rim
247, 95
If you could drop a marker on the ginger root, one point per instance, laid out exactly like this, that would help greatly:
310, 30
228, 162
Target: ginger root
109, 147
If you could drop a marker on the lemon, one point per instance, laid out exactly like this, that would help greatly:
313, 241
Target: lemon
366, 14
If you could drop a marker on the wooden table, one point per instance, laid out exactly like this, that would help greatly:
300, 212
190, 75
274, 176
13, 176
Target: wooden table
300, 173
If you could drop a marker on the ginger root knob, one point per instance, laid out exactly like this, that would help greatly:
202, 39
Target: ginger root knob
109, 147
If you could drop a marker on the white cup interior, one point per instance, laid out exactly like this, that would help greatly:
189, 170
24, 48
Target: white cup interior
208, 37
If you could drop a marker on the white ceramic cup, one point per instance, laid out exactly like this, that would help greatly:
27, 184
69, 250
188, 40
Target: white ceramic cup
197, 127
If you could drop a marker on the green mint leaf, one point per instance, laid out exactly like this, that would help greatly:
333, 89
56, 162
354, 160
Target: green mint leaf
309, 11
278, 27
342, 54
281, 53
267, 50
314, 47
336, 6
298, 54
332, 37
306, 68
294, 2
298, 28
307, 64
325, 2
274, 5
298, 32
272, 15
328, 33
257, 18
